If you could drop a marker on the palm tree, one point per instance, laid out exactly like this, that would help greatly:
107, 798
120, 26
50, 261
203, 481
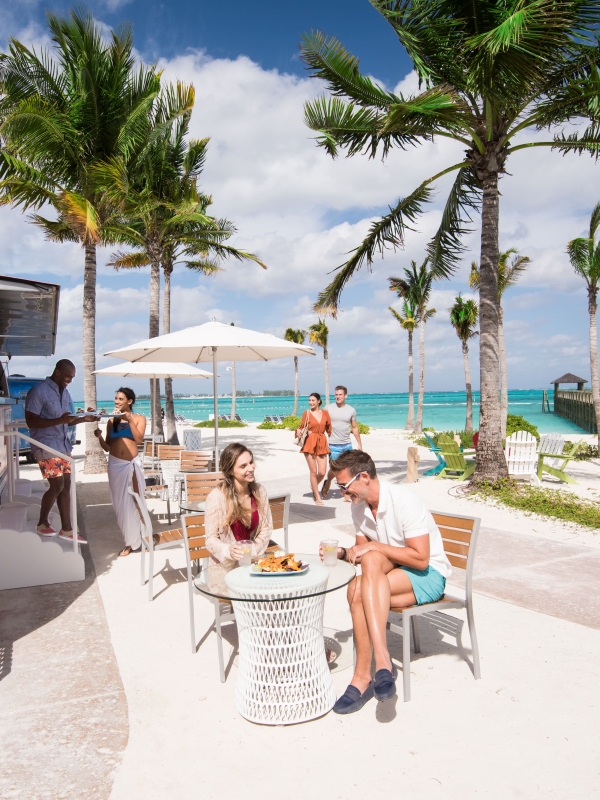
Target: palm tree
319, 335
508, 275
60, 114
488, 72
408, 320
296, 336
416, 287
463, 316
584, 254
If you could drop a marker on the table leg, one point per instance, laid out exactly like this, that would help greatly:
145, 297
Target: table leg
283, 676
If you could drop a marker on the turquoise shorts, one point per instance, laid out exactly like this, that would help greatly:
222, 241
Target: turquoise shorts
427, 584
337, 450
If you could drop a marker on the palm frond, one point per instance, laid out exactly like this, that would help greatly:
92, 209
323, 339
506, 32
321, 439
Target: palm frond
206, 266
55, 230
341, 124
134, 260
386, 232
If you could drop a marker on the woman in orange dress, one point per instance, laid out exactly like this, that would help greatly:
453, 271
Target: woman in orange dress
316, 447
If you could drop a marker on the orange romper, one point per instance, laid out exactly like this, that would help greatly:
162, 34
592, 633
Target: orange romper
316, 441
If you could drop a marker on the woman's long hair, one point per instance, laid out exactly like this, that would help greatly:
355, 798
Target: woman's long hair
233, 508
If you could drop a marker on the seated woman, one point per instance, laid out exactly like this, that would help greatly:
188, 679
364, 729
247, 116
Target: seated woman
237, 509
123, 434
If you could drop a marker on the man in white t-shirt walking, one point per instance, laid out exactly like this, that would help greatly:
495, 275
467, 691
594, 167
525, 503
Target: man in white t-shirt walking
401, 553
343, 420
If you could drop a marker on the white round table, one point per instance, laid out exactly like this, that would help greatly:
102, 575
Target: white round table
283, 673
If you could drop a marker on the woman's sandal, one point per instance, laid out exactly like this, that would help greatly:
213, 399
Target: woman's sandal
127, 550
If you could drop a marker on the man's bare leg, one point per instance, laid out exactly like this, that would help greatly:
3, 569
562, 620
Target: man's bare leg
49, 498
362, 641
380, 583
63, 501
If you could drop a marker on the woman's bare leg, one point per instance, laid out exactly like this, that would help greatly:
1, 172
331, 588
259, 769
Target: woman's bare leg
321, 468
314, 484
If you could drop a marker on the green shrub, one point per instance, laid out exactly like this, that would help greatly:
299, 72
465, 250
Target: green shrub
546, 502
516, 423
267, 425
585, 452
223, 423
466, 437
363, 429
291, 422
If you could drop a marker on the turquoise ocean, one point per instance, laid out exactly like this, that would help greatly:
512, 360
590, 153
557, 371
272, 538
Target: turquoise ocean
442, 410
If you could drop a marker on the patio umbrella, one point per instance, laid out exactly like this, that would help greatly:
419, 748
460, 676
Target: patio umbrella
214, 341
150, 369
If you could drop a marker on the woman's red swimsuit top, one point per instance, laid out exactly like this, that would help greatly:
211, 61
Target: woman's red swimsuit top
239, 530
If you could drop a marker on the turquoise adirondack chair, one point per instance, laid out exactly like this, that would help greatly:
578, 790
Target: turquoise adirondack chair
457, 466
436, 452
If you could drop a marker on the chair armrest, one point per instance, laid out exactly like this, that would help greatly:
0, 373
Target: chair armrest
555, 455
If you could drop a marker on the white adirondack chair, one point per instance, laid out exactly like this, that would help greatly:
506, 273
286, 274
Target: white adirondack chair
554, 444
521, 456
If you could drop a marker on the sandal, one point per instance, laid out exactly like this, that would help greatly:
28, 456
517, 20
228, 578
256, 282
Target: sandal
127, 550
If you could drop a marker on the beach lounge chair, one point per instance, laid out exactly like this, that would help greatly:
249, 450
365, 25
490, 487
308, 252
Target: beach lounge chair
459, 535
457, 466
552, 458
196, 556
238, 418
521, 456
436, 451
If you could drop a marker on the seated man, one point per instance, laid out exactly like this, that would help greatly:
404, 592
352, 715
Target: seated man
401, 554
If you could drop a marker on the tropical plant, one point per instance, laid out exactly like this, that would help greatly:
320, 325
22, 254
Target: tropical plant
408, 321
319, 335
165, 217
584, 254
416, 287
463, 316
296, 336
61, 113
488, 72
509, 273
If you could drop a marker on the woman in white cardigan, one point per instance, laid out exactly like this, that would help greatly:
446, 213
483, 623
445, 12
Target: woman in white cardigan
237, 509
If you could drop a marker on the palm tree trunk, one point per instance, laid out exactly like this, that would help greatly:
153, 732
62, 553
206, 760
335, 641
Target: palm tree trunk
419, 425
295, 386
172, 437
491, 464
326, 359
95, 460
233, 390
154, 328
592, 308
410, 418
469, 421
504, 378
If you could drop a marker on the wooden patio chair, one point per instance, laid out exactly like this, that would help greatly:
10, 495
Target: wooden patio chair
153, 541
280, 511
459, 535
433, 447
169, 452
196, 556
457, 466
198, 485
552, 458
521, 456
196, 461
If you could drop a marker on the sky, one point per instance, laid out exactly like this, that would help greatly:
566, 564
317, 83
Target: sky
301, 212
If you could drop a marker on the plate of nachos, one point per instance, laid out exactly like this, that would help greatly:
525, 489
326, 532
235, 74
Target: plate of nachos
273, 564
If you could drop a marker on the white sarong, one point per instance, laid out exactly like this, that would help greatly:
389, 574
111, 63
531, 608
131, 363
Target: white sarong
120, 478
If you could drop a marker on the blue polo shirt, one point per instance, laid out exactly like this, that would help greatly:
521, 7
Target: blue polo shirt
48, 401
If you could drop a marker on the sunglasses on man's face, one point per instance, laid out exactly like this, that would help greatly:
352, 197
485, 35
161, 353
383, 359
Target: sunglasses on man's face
343, 487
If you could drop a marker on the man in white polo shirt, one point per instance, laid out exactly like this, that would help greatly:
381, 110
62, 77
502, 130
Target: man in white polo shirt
401, 553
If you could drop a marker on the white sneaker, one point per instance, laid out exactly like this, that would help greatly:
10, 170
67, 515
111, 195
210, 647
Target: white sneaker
68, 537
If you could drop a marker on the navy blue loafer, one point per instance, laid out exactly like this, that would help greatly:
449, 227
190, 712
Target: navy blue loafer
352, 700
384, 685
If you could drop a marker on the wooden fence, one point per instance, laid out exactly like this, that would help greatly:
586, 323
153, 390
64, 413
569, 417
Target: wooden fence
576, 405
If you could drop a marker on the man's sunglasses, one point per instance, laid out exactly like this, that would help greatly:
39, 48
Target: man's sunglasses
343, 487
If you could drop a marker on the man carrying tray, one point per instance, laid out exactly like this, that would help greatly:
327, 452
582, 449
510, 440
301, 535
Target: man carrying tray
48, 418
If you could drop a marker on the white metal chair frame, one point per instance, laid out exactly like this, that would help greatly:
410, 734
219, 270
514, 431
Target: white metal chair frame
167, 540
460, 541
197, 552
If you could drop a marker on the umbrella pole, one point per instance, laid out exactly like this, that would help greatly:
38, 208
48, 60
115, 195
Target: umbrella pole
216, 407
